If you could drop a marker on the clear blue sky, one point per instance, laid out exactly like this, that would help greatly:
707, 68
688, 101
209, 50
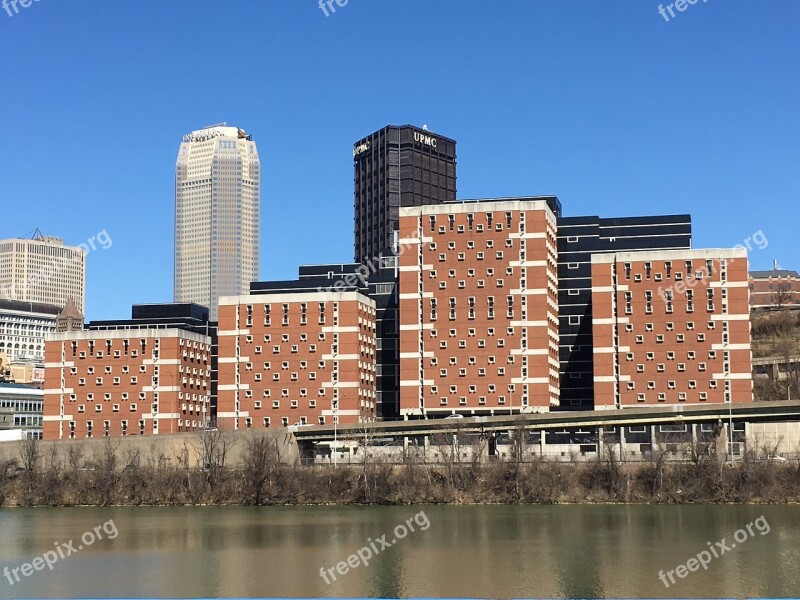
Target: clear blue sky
605, 104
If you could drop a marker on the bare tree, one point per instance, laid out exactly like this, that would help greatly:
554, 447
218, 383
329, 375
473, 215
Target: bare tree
780, 297
213, 453
75, 453
29, 454
106, 471
364, 435
259, 461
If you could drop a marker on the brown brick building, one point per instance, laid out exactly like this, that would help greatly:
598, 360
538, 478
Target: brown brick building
478, 308
126, 382
671, 327
290, 357
775, 288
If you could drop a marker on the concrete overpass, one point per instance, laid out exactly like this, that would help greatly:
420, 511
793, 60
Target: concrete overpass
553, 421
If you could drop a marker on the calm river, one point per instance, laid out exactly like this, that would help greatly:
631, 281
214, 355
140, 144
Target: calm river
474, 551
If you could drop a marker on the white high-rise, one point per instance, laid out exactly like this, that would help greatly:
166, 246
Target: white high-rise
42, 269
217, 208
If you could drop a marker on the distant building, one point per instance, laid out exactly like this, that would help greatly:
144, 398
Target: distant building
775, 288
149, 375
69, 318
293, 354
671, 328
22, 407
42, 270
23, 327
478, 308
217, 215
393, 167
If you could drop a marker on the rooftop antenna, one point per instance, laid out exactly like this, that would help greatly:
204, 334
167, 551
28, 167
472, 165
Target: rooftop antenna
775, 266
37, 234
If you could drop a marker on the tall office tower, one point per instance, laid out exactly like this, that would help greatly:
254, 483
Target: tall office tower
398, 166
671, 328
479, 308
578, 239
42, 270
217, 205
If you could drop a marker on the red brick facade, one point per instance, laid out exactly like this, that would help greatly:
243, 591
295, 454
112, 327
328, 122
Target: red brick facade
126, 382
289, 358
674, 325
478, 308
774, 289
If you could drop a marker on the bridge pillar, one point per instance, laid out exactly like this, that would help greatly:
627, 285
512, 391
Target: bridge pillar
542, 442
601, 442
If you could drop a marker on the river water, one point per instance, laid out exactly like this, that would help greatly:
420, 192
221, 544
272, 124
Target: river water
453, 551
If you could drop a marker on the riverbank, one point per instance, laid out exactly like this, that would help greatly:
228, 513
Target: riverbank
262, 479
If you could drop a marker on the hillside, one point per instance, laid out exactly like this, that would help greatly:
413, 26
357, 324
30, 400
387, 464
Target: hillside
776, 335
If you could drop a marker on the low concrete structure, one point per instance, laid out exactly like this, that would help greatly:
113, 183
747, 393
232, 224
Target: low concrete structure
172, 449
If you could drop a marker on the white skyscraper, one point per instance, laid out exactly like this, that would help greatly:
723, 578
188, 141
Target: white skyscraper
217, 208
42, 269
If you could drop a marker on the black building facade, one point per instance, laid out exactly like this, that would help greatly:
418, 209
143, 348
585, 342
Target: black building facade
578, 239
393, 167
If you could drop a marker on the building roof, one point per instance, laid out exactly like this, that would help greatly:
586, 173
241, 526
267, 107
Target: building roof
22, 306
9, 388
70, 311
773, 273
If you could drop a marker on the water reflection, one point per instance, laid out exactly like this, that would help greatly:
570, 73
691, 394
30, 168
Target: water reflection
480, 551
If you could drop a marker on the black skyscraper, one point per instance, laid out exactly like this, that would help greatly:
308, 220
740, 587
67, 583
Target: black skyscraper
398, 166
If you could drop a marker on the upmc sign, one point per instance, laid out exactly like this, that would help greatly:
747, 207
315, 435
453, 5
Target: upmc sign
359, 148
425, 139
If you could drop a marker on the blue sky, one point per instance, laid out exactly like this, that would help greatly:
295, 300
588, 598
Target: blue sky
605, 104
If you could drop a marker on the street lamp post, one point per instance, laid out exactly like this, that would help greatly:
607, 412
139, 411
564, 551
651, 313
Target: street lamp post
789, 391
335, 425
730, 429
